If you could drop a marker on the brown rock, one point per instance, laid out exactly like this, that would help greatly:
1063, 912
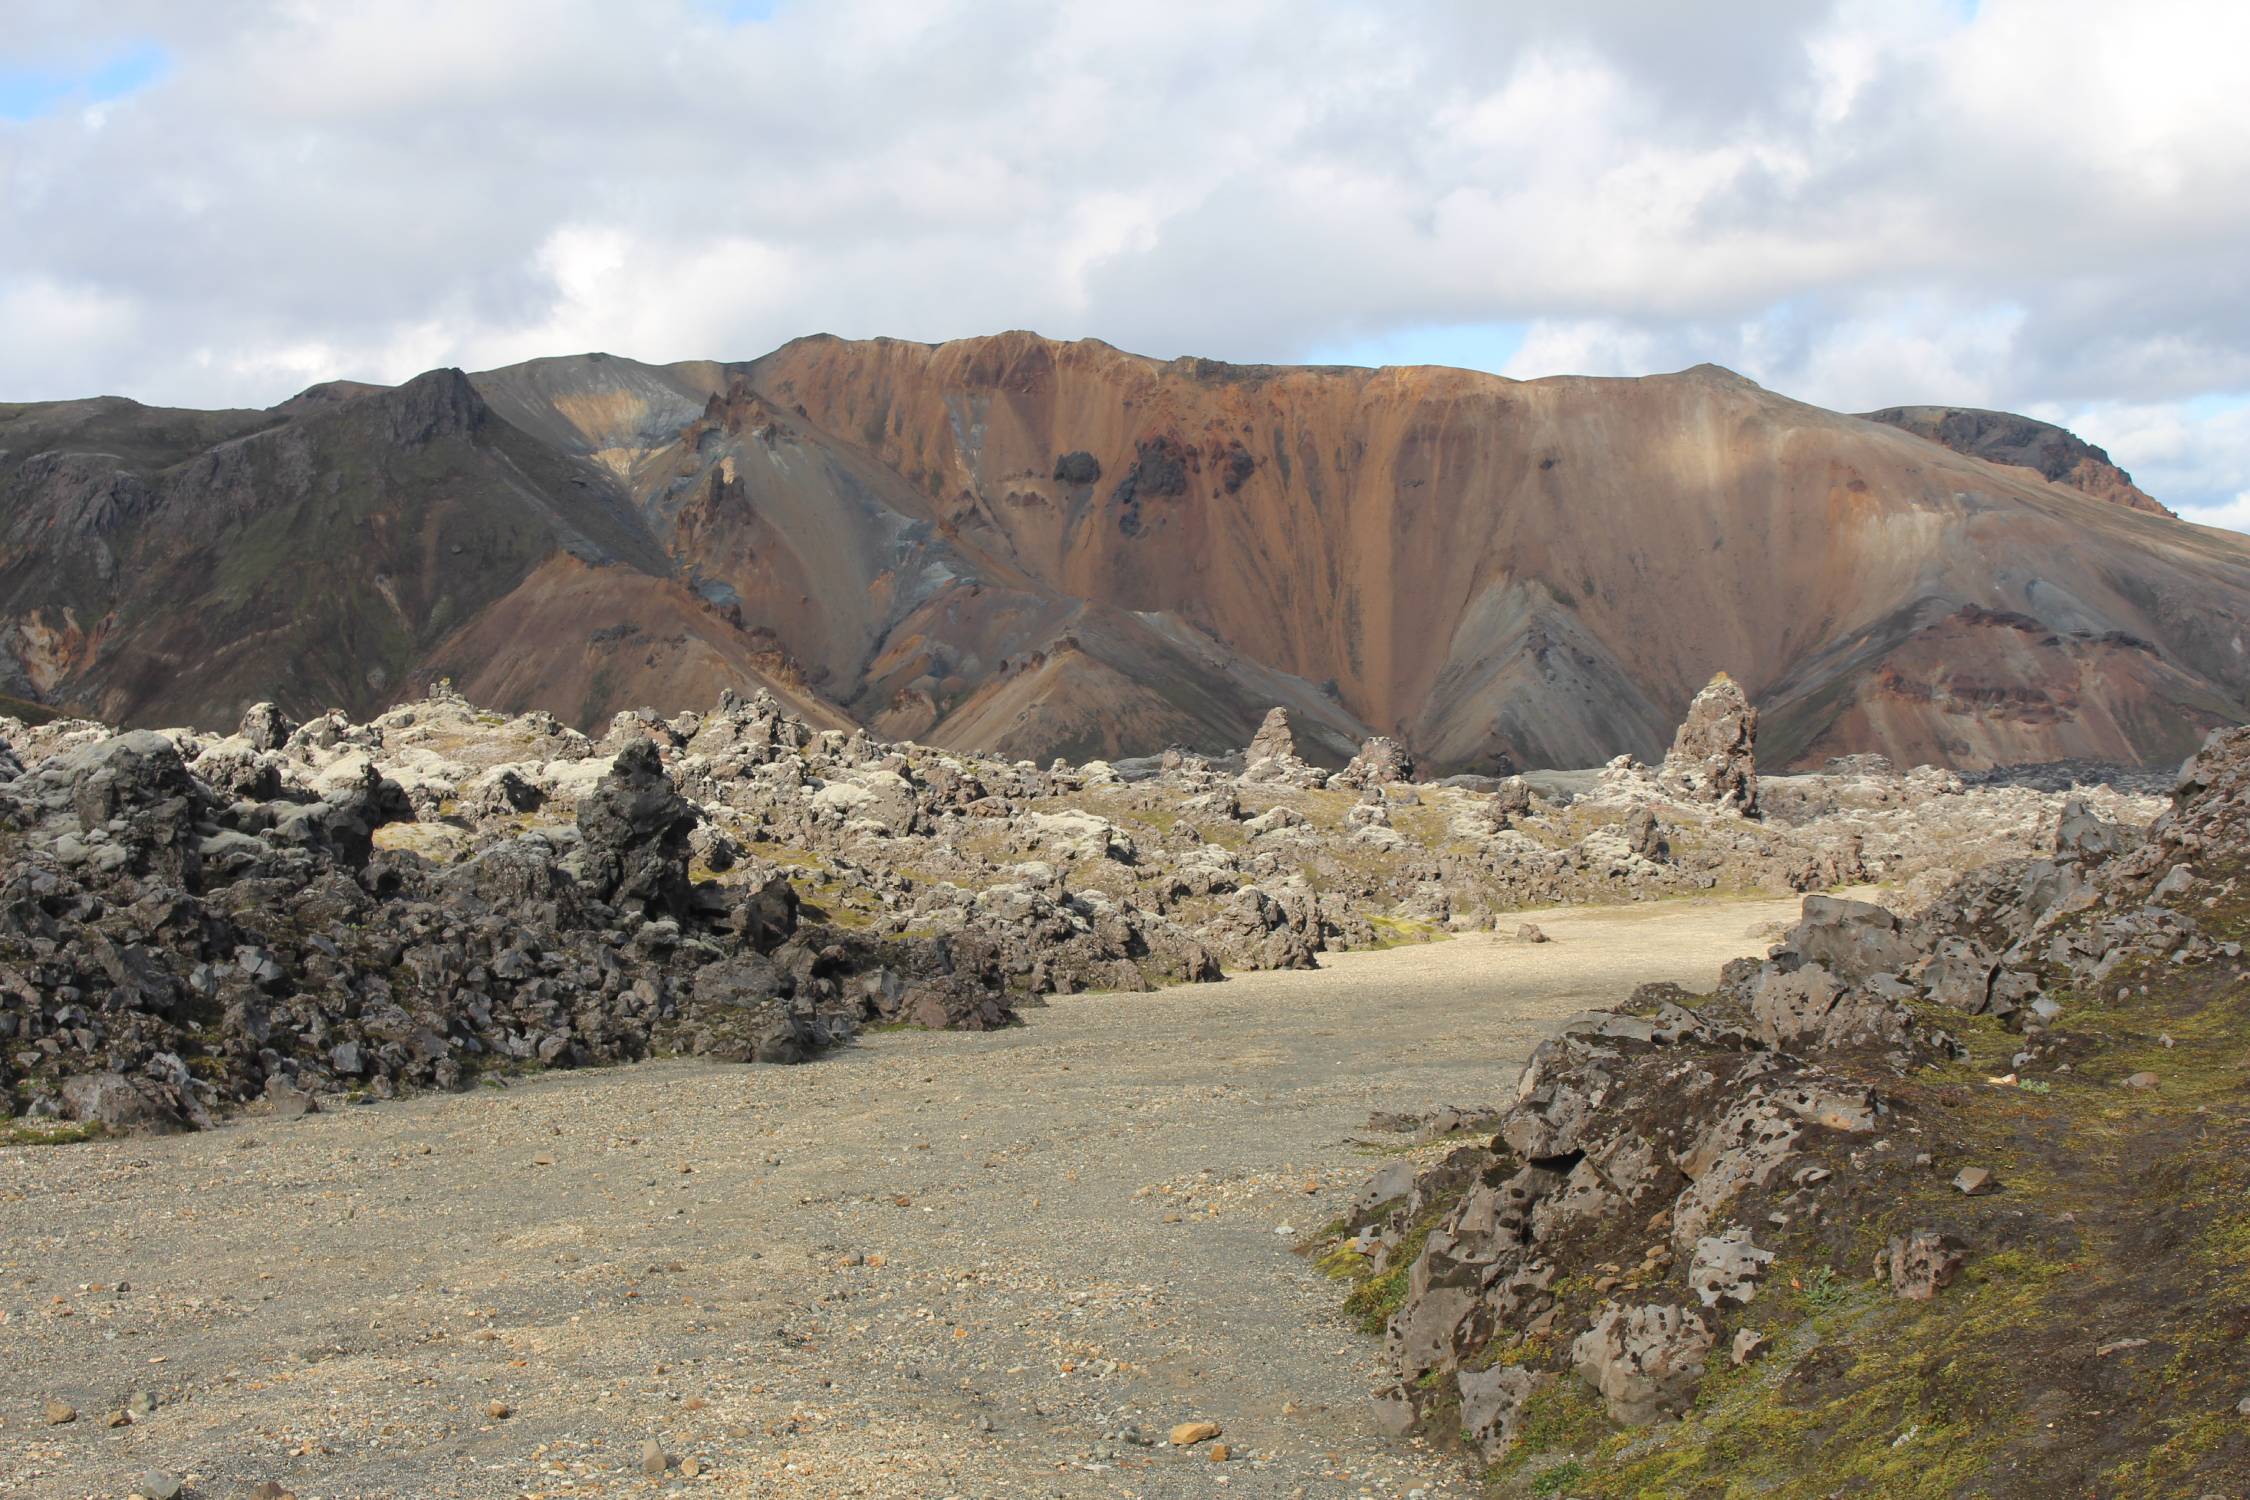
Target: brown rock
1188, 1434
1922, 1264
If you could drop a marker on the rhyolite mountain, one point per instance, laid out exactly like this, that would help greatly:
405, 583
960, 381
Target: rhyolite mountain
1046, 548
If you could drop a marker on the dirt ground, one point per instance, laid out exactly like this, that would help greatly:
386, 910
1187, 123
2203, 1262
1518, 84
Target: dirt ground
930, 1265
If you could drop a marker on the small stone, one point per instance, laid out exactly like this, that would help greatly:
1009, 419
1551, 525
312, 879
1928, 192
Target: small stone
268, 1490
497, 1410
60, 1412
1748, 1345
654, 1460
2141, 1081
2242, 1407
1188, 1434
1975, 1181
691, 1467
1220, 1453
157, 1485
1530, 933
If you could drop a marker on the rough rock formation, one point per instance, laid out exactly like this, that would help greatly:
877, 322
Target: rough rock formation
634, 827
1714, 754
166, 953
1117, 555
442, 890
1274, 739
1688, 1183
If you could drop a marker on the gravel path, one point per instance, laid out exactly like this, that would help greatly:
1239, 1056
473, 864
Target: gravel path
932, 1265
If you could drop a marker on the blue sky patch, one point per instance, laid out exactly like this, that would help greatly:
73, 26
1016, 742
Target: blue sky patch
1467, 346
741, 12
27, 93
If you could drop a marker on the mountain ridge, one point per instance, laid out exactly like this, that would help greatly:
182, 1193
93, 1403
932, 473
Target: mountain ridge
1039, 546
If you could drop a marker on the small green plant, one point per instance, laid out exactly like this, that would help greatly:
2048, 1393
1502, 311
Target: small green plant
1824, 1289
1559, 1478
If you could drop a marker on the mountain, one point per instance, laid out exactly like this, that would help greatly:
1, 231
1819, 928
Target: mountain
2056, 453
1048, 548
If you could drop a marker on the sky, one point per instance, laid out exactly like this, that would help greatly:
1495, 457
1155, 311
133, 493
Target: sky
2035, 205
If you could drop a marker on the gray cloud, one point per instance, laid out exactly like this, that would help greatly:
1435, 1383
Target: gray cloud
2029, 203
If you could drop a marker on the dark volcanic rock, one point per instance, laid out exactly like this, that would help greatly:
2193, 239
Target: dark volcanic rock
267, 727
144, 921
636, 826
2004, 437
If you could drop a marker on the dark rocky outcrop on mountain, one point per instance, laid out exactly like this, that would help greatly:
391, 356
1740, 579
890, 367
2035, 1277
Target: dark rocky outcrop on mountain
2055, 453
1875, 1209
1047, 549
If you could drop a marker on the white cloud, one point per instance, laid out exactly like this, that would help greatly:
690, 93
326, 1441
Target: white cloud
1860, 202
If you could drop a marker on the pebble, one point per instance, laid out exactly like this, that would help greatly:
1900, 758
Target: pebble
1187, 1434
1220, 1453
498, 1411
653, 1458
157, 1485
1975, 1181
60, 1412
2141, 1081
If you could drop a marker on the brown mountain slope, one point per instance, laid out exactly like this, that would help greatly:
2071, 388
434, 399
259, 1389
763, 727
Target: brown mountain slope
1042, 547
816, 544
1543, 571
175, 567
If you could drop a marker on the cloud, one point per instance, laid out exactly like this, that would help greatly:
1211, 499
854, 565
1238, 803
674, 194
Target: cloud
1860, 202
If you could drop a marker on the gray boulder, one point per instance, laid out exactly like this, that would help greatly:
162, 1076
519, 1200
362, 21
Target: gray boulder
1645, 1361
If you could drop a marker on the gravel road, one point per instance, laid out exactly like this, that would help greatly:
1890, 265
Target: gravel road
931, 1265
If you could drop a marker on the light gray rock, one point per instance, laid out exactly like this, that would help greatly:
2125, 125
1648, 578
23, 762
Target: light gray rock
1725, 1268
1644, 1361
